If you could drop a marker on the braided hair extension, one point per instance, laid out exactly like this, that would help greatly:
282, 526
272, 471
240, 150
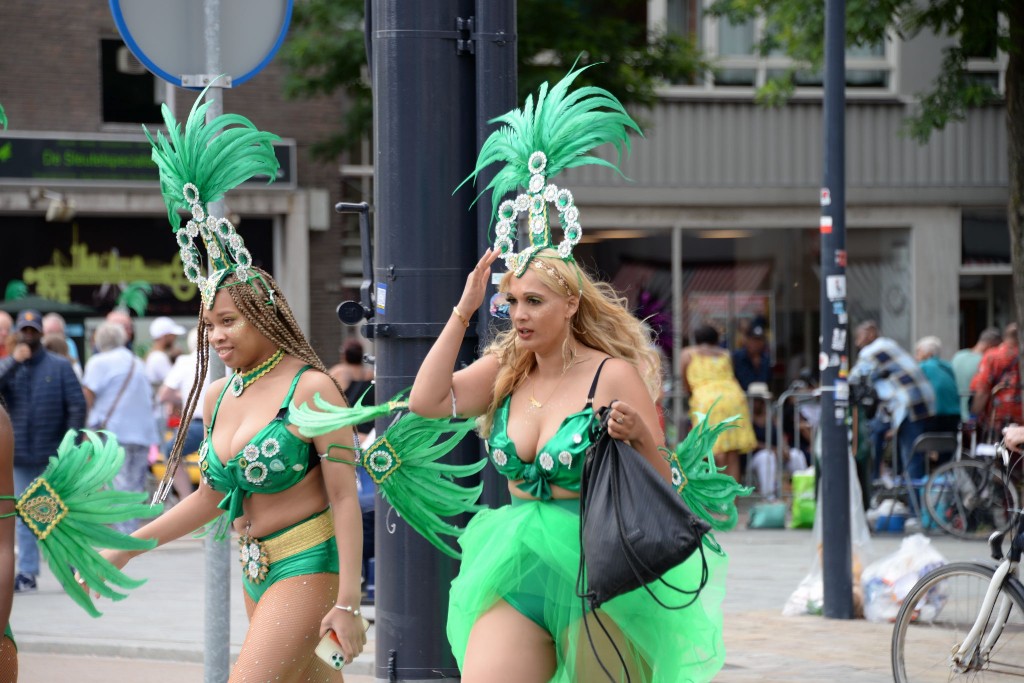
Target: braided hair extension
263, 305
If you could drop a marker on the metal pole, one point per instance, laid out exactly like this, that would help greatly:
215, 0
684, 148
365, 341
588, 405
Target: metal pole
496, 76
425, 143
835, 470
217, 620
679, 342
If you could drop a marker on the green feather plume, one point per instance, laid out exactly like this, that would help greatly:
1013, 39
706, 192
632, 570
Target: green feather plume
16, 289
404, 464
215, 156
69, 507
327, 417
135, 296
564, 126
708, 493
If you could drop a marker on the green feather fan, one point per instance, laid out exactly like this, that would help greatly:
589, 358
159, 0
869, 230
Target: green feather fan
327, 417
215, 156
564, 126
404, 463
708, 493
69, 507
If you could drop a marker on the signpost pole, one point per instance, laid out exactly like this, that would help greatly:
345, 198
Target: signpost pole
217, 626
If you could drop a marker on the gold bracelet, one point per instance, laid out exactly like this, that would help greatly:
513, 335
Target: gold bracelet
349, 608
456, 311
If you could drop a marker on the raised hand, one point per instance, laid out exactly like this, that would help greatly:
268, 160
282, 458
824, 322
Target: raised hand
476, 283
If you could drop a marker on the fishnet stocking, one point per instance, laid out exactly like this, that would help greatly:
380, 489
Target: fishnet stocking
284, 629
587, 666
8, 661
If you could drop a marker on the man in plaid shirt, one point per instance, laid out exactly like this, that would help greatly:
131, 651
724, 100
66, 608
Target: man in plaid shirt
899, 382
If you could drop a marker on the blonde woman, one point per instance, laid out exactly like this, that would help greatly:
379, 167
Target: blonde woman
572, 348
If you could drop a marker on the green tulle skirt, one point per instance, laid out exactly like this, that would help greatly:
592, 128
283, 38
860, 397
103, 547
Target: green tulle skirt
528, 554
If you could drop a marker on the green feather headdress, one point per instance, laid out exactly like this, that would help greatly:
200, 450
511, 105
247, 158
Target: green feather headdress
535, 144
196, 168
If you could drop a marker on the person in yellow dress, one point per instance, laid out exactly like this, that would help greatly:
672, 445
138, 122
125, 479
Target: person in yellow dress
709, 380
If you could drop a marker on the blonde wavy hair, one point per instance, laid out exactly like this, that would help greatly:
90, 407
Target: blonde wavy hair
602, 322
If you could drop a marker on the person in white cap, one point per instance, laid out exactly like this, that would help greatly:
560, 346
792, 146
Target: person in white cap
164, 332
159, 361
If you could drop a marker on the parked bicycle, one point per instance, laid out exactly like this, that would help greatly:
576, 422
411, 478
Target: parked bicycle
965, 620
972, 497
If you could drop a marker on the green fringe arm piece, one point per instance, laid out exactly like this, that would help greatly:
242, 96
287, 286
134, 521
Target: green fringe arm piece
215, 156
3, 118
327, 417
69, 507
404, 463
564, 126
708, 493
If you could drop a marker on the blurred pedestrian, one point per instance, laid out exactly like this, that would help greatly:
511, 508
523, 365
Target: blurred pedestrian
123, 318
708, 378
54, 324
965, 365
750, 362
6, 323
120, 401
44, 399
996, 387
164, 332
174, 393
355, 377
55, 343
900, 383
943, 380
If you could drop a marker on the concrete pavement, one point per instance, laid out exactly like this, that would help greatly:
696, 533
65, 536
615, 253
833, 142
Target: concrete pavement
156, 634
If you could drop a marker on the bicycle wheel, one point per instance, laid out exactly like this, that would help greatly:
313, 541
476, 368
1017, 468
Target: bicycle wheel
970, 498
938, 613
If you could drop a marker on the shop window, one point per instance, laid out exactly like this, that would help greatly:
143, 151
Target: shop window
130, 91
985, 239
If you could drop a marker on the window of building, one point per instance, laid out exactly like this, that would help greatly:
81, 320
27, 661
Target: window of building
984, 239
130, 91
734, 51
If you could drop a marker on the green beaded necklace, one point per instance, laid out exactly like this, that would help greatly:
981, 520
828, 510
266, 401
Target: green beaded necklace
239, 381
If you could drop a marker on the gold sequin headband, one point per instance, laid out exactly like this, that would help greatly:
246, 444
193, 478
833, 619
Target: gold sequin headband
540, 265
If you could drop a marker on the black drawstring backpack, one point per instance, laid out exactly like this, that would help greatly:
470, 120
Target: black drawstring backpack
634, 527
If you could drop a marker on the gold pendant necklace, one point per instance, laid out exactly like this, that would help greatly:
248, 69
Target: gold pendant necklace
240, 381
534, 403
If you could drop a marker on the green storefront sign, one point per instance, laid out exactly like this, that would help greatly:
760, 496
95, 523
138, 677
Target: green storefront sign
98, 160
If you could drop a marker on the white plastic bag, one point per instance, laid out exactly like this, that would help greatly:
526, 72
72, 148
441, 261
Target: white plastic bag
888, 580
809, 596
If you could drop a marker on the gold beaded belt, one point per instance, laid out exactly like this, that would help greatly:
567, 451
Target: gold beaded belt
256, 555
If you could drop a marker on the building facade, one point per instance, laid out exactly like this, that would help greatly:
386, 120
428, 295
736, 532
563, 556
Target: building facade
718, 219
80, 209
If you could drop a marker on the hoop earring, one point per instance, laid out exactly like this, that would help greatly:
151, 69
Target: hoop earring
568, 353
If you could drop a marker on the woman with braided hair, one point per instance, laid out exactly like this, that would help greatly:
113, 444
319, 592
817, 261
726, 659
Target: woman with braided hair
292, 499
280, 493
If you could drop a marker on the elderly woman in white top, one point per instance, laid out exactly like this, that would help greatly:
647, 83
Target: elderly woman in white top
119, 399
